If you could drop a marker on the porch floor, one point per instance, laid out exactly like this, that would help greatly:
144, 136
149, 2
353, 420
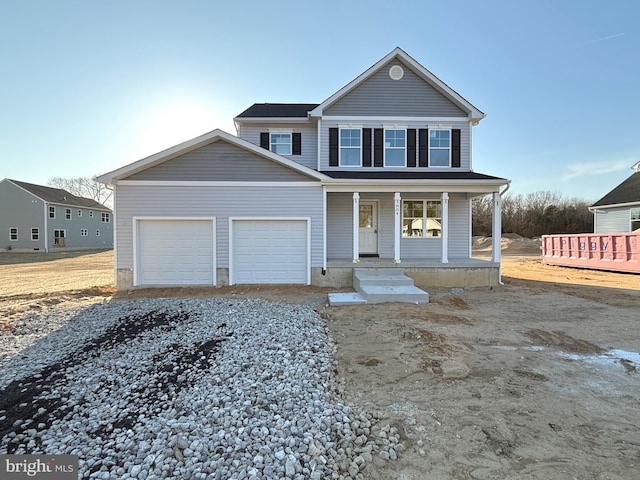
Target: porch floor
375, 262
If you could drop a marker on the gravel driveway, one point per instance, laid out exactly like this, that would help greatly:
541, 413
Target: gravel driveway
184, 388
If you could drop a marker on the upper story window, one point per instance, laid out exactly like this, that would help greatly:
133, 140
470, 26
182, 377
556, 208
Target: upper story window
67, 213
106, 218
280, 143
395, 148
439, 148
350, 147
421, 218
13, 234
52, 212
90, 213
79, 212
635, 219
35, 234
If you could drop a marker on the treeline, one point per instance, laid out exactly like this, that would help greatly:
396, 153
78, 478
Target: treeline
534, 214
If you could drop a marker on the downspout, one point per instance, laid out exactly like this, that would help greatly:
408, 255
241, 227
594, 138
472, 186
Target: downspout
46, 227
500, 282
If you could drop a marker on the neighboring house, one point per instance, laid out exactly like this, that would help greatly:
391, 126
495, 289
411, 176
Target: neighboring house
379, 174
619, 210
37, 218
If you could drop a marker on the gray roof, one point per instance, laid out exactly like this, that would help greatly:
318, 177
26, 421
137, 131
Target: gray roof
275, 110
627, 192
408, 175
59, 196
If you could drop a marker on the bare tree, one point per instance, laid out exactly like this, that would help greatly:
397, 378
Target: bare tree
87, 187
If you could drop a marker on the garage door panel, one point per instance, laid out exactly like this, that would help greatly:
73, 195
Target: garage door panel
270, 251
175, 252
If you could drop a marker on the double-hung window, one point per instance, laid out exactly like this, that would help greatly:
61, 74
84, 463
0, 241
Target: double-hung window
84, 232
67, 213
280, 143
52, 212
439, 148
635, 219
350, 147
13, 234
35, 234
106, 218
395, 148
421, 218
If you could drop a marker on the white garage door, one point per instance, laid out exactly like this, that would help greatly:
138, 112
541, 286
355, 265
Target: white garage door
269, 251
175, 252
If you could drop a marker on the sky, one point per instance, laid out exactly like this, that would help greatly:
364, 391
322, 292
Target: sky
88, 86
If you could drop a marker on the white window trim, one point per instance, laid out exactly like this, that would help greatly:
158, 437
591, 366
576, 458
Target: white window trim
424, 217
79, 212
64, 235
348, 127
384, 147
107, 216
11, 234
84, 232
68, 214
97, 232
631, 219
280, 131
52, 210
37, 230
90, 213
439, 128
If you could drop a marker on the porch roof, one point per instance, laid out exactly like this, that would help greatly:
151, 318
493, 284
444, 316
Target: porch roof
409, 175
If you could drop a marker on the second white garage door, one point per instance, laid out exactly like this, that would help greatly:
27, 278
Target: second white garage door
269, 251
175, 252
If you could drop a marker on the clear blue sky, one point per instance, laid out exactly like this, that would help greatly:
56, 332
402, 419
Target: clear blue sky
89, 86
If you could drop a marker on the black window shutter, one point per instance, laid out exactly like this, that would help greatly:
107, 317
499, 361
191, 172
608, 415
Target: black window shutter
366, 147
296, 143
333, 147
377, 147
455, 148
411, 147
423, 147
264, 140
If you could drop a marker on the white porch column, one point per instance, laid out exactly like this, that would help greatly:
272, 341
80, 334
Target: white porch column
398, 226
445, 227
356, 227
496, 227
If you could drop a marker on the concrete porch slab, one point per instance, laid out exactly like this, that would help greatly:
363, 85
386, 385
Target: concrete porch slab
348, 298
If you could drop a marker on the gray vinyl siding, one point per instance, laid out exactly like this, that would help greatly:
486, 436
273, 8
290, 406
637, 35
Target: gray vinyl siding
340, 227
218, 202
613, 220
465, 142
73, 227
220, 161
21, 210
309, 137
410, 96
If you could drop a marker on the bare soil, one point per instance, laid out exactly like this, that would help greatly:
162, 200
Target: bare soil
535, 379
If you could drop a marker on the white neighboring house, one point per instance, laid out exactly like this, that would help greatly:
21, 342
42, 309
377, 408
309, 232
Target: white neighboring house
619, 210
38, 218
378, 174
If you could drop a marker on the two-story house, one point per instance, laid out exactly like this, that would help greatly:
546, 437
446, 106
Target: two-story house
379, 173
35, 218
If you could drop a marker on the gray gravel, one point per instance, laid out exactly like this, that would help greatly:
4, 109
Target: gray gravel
185, 388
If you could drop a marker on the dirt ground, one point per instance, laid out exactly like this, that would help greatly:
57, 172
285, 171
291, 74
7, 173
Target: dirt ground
535, 379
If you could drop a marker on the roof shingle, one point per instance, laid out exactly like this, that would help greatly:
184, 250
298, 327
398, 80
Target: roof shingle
627, 192
275, 110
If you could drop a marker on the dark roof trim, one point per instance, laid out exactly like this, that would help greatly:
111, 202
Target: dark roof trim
404, 175
627, 192
278, 110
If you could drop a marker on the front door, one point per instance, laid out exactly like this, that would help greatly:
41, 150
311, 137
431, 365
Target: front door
368, 228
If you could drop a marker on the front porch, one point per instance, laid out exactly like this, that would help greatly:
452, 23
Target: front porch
426, 272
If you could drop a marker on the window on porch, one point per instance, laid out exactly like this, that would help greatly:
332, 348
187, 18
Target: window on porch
421, 218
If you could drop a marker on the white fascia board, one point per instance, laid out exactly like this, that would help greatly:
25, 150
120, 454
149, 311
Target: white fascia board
615, 205
341, 118
115, 176
475, 115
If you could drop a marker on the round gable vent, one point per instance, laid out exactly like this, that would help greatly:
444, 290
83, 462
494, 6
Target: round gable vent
396, 72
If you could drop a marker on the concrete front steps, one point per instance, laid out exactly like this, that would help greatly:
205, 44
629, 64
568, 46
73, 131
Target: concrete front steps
380, 285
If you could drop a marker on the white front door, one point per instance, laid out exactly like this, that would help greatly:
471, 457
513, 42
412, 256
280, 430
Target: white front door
368, 222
